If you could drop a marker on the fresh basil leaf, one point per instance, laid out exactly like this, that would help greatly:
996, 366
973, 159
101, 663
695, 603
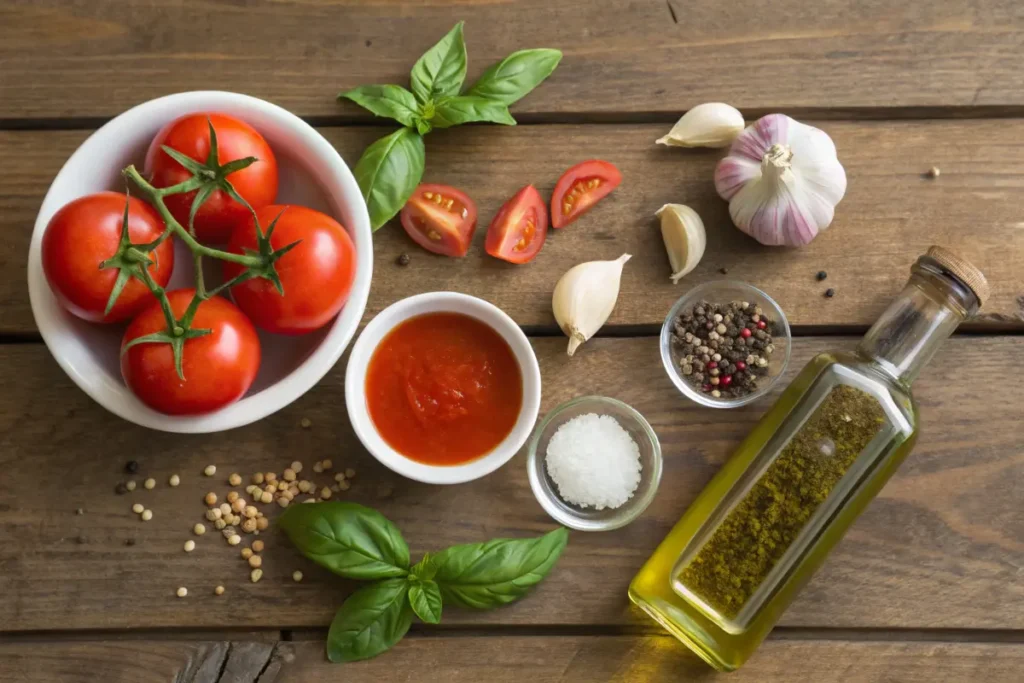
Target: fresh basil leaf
348, 539
370, 622
485, 575
388, 172
425, 569
516, 75
441, 70
423, 126
391, 101
425, 598
453, 111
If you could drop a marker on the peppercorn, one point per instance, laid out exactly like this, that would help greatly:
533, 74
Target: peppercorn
403, 260
131, 467
121, 488
829, 293
821, 275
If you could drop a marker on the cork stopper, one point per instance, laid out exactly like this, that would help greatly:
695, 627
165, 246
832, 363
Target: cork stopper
963, 270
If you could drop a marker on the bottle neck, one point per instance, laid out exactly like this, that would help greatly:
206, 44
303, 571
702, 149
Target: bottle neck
912, 329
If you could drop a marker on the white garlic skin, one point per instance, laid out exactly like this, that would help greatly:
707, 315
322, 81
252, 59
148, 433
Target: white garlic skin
782, 180
713, 124
685, 238
584, 298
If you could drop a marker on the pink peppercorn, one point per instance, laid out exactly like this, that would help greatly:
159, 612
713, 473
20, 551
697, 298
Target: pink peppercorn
745, 332
740, 365
726, 381
706, 387
712, 365
761, 324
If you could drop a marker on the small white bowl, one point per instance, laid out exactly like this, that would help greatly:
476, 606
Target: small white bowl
311, 173
435, 302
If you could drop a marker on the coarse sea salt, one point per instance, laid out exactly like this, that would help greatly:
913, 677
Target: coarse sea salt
594, 462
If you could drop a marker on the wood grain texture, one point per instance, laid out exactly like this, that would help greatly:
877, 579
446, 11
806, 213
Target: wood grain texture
621, 56
890, 215
941, 548
507, 659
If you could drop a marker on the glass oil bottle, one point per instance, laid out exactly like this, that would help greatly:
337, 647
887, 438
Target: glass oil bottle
763, 525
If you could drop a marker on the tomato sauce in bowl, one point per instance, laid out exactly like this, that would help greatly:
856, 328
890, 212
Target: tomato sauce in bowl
443, 388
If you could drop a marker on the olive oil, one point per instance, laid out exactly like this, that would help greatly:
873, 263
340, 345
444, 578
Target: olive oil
764, 524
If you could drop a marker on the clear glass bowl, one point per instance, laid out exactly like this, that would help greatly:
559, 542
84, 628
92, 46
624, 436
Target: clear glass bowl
724, 292
589, 519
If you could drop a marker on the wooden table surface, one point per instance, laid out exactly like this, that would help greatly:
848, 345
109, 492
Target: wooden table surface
925, 587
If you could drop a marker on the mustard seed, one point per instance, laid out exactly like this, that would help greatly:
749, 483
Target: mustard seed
257, 546
255, 561
138, 508
257, 478
150, 484
219, 590
210, 470
246, 553
147, 515
232, 496
296, 467
210, 498
174, 480
235, 479
199, 529
190, 545
296, 576
130, 484
234, 540
262, 524
182, 592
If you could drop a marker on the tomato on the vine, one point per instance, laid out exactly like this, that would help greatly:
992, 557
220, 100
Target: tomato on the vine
580, 188
85, 233
440, 219
218, 367
190, 135
519, 229
316, 274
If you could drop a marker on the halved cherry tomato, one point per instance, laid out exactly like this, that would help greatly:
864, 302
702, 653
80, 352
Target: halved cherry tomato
580, 188
440, 219
518, 231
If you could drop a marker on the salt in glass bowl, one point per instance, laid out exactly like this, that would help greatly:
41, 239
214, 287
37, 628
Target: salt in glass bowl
589, 519
725, 292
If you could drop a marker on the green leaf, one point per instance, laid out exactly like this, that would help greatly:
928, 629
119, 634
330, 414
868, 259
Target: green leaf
425, 569
425, 598
348, 539
388, 172
486, 575
423, 126
391, 101
453, 111
441, 70
370, 622
513, 77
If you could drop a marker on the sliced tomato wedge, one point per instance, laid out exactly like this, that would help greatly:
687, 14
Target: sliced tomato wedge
440, 219
518, 231
580, 188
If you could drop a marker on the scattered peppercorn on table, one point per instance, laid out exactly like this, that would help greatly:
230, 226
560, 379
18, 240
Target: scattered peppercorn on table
114, 565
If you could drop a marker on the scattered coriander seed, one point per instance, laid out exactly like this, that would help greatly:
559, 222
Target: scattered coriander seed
130, 484
228, 531
147, 515
238, 505
270, 488
235, 479
309, 500
257, 478
250, 488
934, 172
131, 467
236, 520
325, 493
150, 484
190, 545
257, 546
262, 523
255, 575
219, 590
246, 553
327, 464
292, 491
182, 592
270, 477
138, 508
199, 529
255, 561
283, 502
340, 476
225, 509
249, 525
250, 511
318, 467
232, 496
174, 480
403, 260
282, 485
350, 473
829, 293
234, 540
210, 470
213, 514
219, 524
296, 576
305, 423
345, 485
335, 488
305, 486
210, 498
296, 466
266, 497
289, 474
121, 488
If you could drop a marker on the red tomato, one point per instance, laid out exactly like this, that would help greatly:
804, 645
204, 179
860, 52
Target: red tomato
316, 275
580, 188
86, 232
518, 231
219, 367
190, 135
440, 219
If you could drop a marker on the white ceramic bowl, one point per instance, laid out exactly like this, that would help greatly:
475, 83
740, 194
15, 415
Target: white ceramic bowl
434, 302
311, 173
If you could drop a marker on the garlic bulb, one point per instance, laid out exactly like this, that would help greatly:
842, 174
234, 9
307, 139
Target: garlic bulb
782, 181
685, 238
713, 124
584, 298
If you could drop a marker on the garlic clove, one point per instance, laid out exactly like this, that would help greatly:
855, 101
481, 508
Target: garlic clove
584, 298
712, 124
684, 236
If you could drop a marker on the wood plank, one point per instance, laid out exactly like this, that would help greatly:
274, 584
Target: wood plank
507, 659
941, 548
664, 56
890, 216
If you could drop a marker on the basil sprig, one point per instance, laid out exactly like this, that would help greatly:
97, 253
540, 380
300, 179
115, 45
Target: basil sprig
360, 543
391, 168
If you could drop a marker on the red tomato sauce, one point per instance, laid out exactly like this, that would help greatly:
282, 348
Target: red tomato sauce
443, 388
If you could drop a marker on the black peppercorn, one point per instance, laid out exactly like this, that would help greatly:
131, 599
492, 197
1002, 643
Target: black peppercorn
121, 488
129, 541
821, 275
829, 293
403, 260
723, 270
131, 467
